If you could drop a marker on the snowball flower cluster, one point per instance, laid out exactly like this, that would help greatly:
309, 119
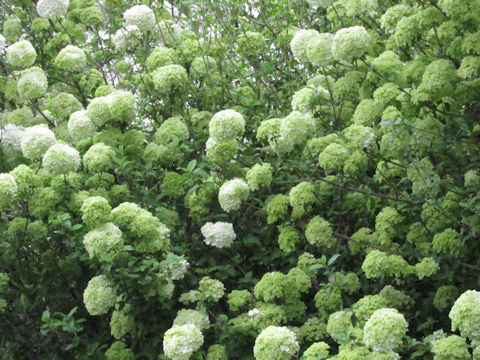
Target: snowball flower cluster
119, 351
189, 316
317, 351
8, 190
297, 127
95, 211
319, 49
80, 126
174, 267
99, 296
219, 234
99, 157
36, 140
301, 197
259, 176
180, 342
141, 16
169, 77
299, 42
102, 240
350, 43
385, 329
275, 343
52, 8
127, 38
61, 159
451, 347
232, 193
319, 233
211, 289
121, 322
71, 58
32, 83
465, 314
21, 54
226, 125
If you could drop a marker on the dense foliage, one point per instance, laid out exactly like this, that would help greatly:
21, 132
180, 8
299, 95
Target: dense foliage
266, 180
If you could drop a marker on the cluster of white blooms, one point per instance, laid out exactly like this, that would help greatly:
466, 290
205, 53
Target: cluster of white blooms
181, 341
98, 296
10, 137
8, 190
126, 38
61, 159
226, 125
319, 49
141, 16
350, 43
188, 316
297, 127
465, 315
299, 42
102, 240
71, 58
219, 234
232, 193
99, 157
275, 343
174, 267
80, 126
52, 8
32, 83
385, 329
36, 140
118, 105
21, 54
211, 289
258, 176
169, 77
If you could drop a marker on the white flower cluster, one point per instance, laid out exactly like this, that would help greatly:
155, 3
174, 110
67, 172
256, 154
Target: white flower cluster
299, 42
385, 329
350, 43
141, 16
275, 343
36, 140
126, 38
224, 129
71, 58
80, 126
52, 8
61, 159
102, 240
21, 54
232, 193
219, 234
180, 342
465, 314
10, 137
8, 190
174, 267
32, 83
98, 296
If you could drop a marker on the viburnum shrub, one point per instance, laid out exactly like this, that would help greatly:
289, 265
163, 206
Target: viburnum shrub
240, 179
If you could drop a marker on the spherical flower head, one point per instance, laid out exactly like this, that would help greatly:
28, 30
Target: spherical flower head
270, 286
173, 128
71, 58
161, 56
360, 7
301, 197
221, 152
385, 329
61, 159
80, 126
32, 83
217, 352
298, 45
297, 127
339, 324
275, 343
393, 15
277, 208
169, 77
451, 347
320, 233
52, 8
350, 43
180, 342
203, 66
211, 289
226, 125
378, 264
447, 242
98, 110
95, 211
316, 351
119, 351
238, 299
250, 43
269, 130
103, 240
472, 179
141, 16
465, 314
437, 81
99, 296
425, 268
63, 105
259, 176
219, 234
126, 38
366, 306
232, 193
172, 185
121, 322
8, 190
359, 137
122, 106
189, 316
319, 49
333, 157
288, 238
21, 54
302, 100
174, 267
445, 296
36, 140
98, 158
